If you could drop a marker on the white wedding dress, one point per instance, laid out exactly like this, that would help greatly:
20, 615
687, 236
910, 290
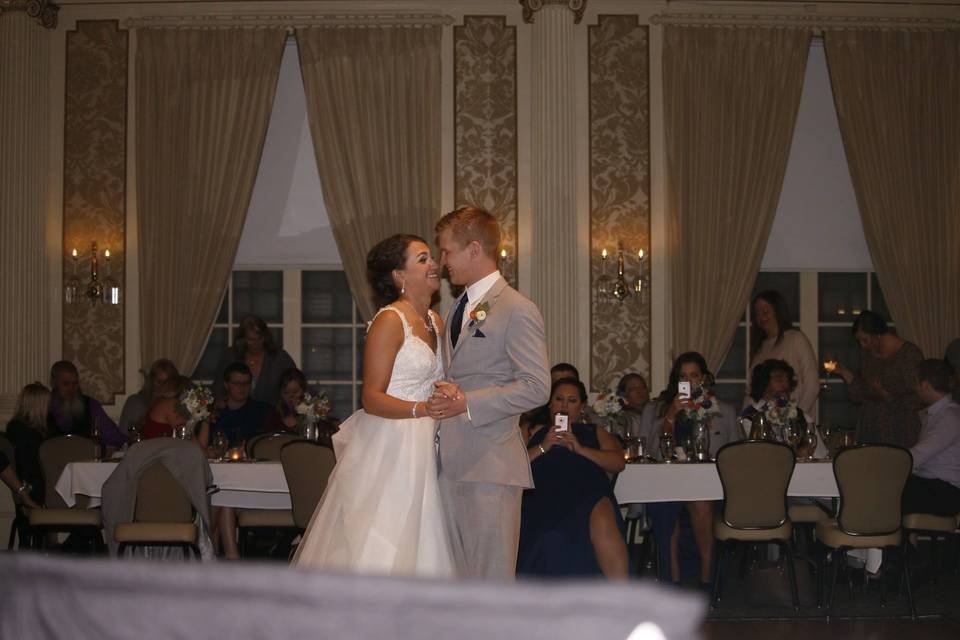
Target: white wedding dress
381, 511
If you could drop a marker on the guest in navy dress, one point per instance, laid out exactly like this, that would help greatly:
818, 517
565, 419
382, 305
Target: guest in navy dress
570, 524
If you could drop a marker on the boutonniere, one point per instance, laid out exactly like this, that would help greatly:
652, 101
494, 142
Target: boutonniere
479, 314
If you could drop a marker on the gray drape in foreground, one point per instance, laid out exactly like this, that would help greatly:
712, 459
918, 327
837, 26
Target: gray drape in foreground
100, 600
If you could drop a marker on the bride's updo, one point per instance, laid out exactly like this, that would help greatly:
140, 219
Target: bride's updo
382, 259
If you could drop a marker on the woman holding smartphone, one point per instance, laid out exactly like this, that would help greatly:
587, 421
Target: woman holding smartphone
666, 416
570, 524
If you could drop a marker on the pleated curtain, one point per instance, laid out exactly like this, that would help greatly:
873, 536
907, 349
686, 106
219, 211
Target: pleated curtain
898, 101
203, 101
373, 104
731, 96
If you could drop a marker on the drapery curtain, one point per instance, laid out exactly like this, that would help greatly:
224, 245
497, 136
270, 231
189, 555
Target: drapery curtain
203, 101
898, 100
373, 103
731, 96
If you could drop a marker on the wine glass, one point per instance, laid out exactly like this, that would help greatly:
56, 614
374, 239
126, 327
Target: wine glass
95, 436
794, 436
810, 440
642, 449
829, 365
666, 447
220, 445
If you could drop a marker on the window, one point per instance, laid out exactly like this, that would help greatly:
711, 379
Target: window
311, 314
823, 305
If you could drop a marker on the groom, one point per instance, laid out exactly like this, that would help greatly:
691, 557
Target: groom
495, 352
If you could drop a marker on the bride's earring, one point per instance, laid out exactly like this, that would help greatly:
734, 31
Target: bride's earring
403, 287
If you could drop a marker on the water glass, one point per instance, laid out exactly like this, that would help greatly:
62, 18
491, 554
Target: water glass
642, 449
810, 440
220, 445
666, 447
95, 436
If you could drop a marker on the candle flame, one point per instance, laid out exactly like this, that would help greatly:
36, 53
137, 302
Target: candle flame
106, 254
640, 253
74, 253
604, 254
503, 253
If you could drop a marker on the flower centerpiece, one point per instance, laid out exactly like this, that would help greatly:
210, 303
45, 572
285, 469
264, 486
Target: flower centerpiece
780, 410
702, 406
609, 409
195, 404
311, 410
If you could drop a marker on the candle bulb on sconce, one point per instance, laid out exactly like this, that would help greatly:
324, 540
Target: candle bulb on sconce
111, 288
107, 290
71, 288
621, 288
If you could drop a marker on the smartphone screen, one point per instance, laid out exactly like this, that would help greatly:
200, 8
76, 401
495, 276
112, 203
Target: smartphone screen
683, 390
561, 421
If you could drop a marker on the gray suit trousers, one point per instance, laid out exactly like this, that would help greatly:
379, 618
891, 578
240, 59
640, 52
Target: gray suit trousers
483, 522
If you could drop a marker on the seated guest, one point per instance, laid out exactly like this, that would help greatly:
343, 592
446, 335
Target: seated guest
634, 395
243, 416
934, 486
254, 347
667, 415
136, 407
541, 415
72, 412
293, 387
772, 384
19, 488
163, 416
27, 430
570, 523
952, 357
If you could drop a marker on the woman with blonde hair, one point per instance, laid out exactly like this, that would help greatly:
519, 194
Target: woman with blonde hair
253, 345
27, 430
135, 409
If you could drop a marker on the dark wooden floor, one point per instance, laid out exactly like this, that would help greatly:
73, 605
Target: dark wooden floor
925, 629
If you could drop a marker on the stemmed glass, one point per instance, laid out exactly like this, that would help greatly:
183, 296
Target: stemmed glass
220, 445
666, 447
95, 436
794, 436
829, 365
810, 440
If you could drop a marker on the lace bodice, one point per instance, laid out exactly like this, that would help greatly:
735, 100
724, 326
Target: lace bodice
416, 367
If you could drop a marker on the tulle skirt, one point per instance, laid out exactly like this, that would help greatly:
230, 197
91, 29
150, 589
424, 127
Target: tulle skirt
381, 511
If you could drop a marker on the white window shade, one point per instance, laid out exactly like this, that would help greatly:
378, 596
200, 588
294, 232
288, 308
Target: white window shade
287, 222
817, 225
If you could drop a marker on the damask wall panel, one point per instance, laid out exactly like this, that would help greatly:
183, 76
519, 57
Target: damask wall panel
94, 200
485, 103
619, 191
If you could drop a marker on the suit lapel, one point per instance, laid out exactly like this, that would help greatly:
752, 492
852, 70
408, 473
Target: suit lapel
490, 297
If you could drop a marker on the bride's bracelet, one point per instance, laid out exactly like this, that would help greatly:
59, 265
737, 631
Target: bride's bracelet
413, 409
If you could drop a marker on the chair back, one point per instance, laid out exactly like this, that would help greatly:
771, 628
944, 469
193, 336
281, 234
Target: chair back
160, 498
307, 466
871, 478
268, 448
755, 475
55, 454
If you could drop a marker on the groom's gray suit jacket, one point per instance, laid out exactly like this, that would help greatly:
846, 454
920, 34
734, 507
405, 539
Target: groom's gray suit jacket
501, 366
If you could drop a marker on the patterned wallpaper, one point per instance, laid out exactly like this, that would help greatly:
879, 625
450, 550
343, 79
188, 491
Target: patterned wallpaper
94, 198
619, 190
485, 71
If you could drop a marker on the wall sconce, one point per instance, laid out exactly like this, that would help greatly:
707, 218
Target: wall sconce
96, 290
622, 287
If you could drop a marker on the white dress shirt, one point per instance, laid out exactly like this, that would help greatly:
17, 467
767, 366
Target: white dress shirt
475, 293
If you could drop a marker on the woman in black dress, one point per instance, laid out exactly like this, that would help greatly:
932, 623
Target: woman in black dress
570, 524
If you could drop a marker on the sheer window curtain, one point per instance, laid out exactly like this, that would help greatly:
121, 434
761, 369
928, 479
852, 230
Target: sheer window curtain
898, 101
203, 100
731, 96
373, 103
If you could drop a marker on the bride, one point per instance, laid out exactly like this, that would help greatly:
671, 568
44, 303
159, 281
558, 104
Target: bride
381, 511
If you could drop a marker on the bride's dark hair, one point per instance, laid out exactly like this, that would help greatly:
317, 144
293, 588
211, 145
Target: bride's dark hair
382, 259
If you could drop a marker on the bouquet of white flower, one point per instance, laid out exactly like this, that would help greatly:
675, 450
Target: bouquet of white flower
606, 404
780, 410
313, 408
195, 404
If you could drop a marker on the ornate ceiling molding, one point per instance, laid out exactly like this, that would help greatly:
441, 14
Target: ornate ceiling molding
530, 7
45, 11
292, 21
813, 22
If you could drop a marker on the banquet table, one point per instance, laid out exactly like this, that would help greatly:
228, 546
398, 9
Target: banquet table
248, 485
682, 482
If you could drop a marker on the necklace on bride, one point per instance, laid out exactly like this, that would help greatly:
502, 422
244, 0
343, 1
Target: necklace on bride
427, 321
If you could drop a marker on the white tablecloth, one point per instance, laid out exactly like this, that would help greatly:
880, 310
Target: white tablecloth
259, 485
684, 482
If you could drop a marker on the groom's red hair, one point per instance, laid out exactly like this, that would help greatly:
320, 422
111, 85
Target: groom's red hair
468, 223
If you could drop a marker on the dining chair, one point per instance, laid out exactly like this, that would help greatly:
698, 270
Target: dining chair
937, 528
870, 479
20, 520
755, 475
55, 454
163, 515
251, 521
307, 467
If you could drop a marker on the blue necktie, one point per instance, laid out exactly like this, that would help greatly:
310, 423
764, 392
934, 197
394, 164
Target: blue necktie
457, 320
